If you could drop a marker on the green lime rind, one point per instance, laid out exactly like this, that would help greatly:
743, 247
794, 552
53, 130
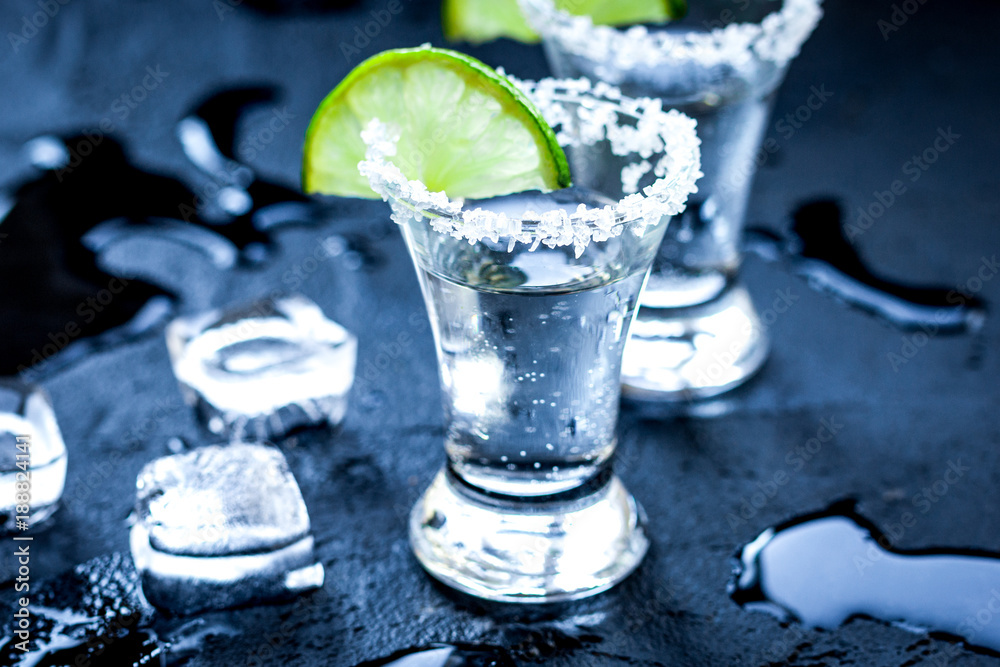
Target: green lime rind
676, 9
464, 129
480, 21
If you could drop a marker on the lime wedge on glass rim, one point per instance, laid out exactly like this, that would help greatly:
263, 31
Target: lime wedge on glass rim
479, 21
464, 129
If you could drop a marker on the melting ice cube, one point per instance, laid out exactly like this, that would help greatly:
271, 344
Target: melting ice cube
30, 442
265, 369
222, 526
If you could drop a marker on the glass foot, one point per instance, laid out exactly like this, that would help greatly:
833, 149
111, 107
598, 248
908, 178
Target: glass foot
514, 550
680, 354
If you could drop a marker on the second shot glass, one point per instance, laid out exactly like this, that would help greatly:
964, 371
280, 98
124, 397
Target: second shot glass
697, 333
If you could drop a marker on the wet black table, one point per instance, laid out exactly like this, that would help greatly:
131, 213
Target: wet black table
903, 406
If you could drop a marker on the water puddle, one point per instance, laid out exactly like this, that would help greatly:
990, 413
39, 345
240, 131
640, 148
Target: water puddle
240, 204
45, 262
445, 655
826, 568
819, 251
96, 615
139, 648
86, 195
93, 615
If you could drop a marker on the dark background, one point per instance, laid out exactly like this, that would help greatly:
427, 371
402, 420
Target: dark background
902, 423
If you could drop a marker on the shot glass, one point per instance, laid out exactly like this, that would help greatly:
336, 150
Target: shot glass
530, 298
697, 333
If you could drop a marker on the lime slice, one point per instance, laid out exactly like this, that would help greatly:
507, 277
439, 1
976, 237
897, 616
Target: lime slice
464, 129
479, 21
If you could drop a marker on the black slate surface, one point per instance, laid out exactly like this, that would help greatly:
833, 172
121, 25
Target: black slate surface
898, 424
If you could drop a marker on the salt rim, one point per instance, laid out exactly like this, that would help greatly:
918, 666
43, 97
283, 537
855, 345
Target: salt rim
777, 38
595, 109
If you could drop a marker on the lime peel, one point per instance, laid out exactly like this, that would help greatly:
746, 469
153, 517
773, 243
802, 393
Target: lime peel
479, 21
464, 128
651, 131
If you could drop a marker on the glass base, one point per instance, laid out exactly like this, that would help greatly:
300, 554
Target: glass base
696, 352
527, 550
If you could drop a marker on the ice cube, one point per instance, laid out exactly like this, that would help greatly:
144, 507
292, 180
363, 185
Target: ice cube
30, 442
221, 526
262, 370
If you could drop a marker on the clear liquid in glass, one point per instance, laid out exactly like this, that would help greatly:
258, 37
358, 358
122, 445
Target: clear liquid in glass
529, 351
